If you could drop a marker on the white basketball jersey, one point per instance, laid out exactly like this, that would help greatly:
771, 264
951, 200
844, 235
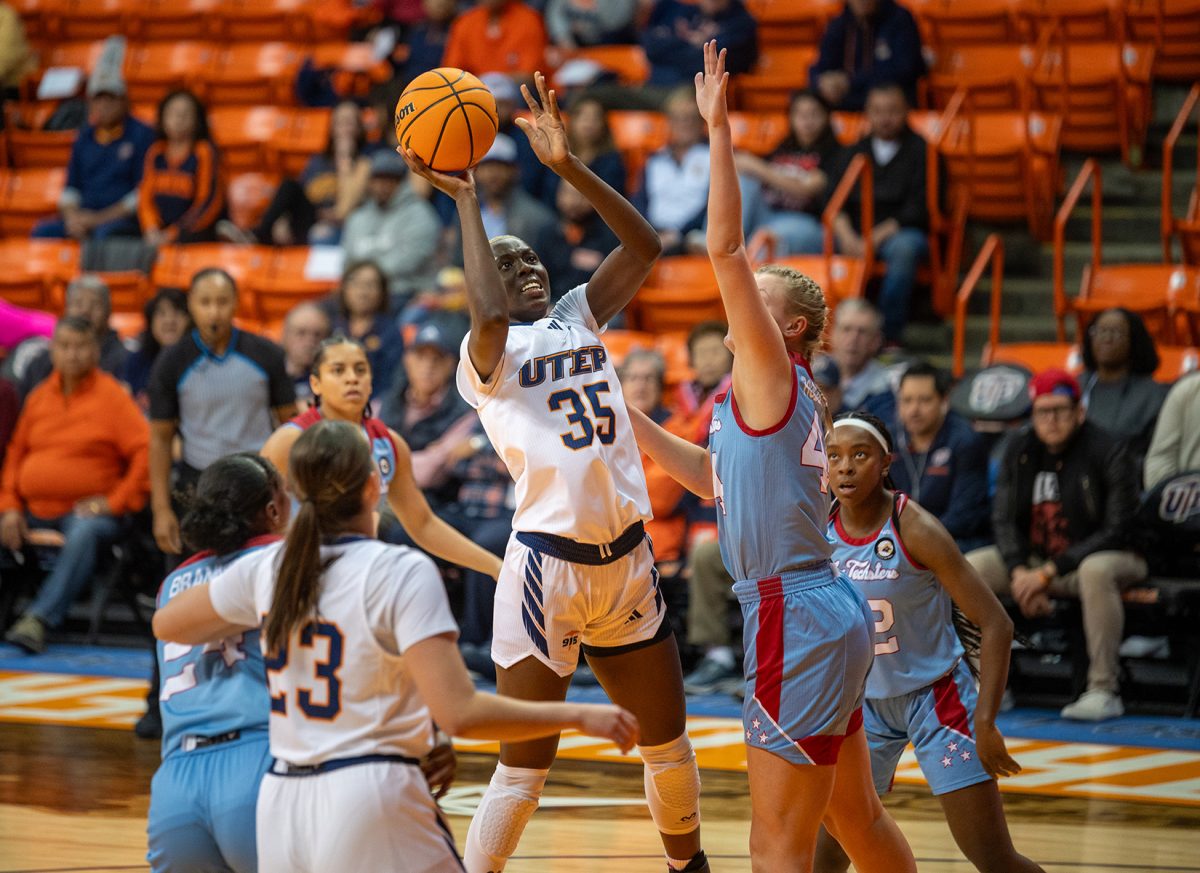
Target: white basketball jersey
555, 413
341, 688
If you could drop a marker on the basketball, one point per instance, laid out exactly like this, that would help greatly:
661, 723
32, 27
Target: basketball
448, 117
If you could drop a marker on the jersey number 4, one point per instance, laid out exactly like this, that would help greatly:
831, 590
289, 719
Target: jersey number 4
326, 670
602, 423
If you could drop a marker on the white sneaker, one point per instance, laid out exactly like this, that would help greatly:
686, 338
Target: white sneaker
1096, 705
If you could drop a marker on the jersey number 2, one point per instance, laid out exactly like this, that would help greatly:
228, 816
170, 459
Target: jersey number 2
887, 618
325, 670
605, 426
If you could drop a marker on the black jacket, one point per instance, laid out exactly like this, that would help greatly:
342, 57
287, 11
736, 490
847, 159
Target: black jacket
1099, 488
899, 185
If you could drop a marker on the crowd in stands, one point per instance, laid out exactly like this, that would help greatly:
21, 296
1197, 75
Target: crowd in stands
97, 430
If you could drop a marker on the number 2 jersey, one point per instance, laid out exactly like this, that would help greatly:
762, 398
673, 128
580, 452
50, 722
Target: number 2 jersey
772, 486
212, 689
341, 688
554, 410
915, 640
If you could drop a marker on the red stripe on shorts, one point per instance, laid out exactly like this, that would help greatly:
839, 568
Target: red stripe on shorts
949, 706
768, 646
824, 749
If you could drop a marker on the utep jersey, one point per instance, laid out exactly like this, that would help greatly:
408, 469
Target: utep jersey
555, 413
383, 450
211, 689
772, 486
341, 687
915, 641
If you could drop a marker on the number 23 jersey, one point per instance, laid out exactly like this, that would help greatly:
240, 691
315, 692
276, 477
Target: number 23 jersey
341, 687
554, 410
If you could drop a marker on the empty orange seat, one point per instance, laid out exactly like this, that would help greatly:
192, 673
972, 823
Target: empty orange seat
1151, 290
247, 135
38, 148
620, 343
1076, 20
1037, 356
173, 19
993, 76
282, 282
30, 269
627, 61
677, 308
27, 196
683, 271
177, 264
758, 132
780, 71
154, 69
840, 277
251, 73
265, 20
637, 135
306, 134
91, 19
948, 24
792, 22
1175, 362
1173, 26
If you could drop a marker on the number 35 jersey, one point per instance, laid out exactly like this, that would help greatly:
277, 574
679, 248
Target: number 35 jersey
772, 486
341, 687
555, 413
209, 690
915, 641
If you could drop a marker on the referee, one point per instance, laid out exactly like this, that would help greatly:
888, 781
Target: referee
221, 390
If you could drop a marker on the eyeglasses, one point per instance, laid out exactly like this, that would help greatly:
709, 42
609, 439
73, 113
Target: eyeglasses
1054, 413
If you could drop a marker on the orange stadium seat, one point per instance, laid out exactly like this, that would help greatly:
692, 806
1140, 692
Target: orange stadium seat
679, 271
246, 135
1173, 26
1037, 356
281, 283
39, 17
621, 342
177, 264
356, 69
1186, 226
1151, 290
993, 76
675, 352
30, 269
265, 20
82, 55
27, 196
1074, 20
627, 61
1175, 362
780, 71
949, 24
38, 148
637, 135
848, 127
128, 291
792, 22
251, 73
91, 19
172, 19
758, 132
306, 134
677, 307
154, 69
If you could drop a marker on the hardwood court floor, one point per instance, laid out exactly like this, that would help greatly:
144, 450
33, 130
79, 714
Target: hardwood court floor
74, 799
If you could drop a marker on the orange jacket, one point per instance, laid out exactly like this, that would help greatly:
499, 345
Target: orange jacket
514, 43
66, 448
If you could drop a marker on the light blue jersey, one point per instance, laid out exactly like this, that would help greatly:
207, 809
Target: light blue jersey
772, 486
915, 641
210, 690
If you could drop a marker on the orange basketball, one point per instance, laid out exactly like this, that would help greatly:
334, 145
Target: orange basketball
448, 117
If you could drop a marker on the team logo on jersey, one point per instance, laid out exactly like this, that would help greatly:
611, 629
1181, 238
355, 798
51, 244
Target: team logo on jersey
385, 467
866, 571
714, 425
885, 549
559, 365
1180, 500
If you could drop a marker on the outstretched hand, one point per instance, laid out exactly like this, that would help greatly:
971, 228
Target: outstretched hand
444, 182
546, 131
711, 86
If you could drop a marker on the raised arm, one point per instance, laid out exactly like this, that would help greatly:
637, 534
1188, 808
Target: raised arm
427, 530
686, 463
933, 547
621, 274
762, 379
485, 292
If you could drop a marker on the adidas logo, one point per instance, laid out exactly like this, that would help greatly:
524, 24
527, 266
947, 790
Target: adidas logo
633, 616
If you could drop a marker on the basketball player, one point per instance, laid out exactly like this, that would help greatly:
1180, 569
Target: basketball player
214, 697
807, 633
341, 385
579, 570
361, 653
920, 689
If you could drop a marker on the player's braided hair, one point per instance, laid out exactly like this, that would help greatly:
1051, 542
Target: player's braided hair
226, 508
804, 297
329, 467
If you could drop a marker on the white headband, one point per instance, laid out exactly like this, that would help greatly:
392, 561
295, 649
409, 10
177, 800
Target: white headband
864, 425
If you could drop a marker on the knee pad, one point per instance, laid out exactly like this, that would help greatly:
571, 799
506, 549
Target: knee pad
672, 785
507, 805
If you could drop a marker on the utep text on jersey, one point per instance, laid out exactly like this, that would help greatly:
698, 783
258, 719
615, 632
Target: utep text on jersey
561, 365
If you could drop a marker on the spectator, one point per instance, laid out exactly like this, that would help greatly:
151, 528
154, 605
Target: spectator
87, 297
536, 178
901, 231
427, 39
575, 23
167, 321
304, 328
592, 142
17, 60
1065, 499
100, 199
182, 193
1119, 391
218, 393
77, 464
712, 363
939, 460
589, 239
10, 408
395, 227
508, 209
872, 43
784, 192
828, 377
710, 590
675, 35
643, 377
423, 407
1175, 447
364, 314
313, 208
855, 341
497, 36
673, 194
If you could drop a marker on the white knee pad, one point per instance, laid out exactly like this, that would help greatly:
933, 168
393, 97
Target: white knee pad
507, 805
672, 785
